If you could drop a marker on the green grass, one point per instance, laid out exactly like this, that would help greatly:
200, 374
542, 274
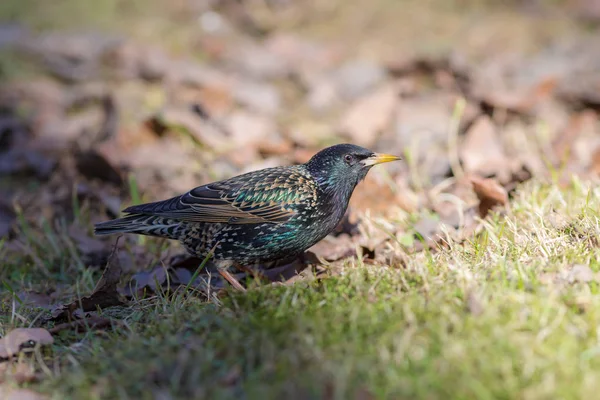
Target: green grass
494, 317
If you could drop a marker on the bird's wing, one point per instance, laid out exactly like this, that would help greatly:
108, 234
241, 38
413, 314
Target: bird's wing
268, 195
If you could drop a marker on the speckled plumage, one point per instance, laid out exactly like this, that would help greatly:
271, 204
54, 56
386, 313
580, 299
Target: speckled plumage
259, 216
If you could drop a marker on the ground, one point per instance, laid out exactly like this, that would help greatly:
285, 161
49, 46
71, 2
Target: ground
510, 313
469, 270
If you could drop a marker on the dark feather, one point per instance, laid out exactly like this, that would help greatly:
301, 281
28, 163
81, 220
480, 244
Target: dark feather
257, 197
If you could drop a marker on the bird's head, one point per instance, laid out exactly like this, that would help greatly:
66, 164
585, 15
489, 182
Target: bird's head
343, 166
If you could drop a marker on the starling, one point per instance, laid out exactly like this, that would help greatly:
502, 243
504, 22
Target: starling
261, 216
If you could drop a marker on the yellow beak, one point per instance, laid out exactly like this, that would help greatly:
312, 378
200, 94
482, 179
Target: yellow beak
378, 158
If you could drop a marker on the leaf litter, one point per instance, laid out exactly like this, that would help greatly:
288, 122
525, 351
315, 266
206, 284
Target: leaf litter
104, 295
163, 124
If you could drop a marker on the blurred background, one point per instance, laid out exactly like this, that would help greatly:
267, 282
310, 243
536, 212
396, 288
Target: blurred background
113, 102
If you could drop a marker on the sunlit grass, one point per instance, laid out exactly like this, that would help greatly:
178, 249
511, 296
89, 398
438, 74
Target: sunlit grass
497, 316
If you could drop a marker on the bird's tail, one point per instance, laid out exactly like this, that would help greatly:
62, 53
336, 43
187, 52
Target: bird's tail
143, 224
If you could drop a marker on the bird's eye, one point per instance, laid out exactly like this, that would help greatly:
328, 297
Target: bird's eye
348, 158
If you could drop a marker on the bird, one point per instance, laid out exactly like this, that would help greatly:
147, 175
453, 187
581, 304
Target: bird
260, 216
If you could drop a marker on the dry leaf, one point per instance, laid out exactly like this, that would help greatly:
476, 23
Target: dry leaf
369, 116
32, 298
92, 248
490, 194
334, 248
94, 165
20, 338
8, 393
104, 295
482, 152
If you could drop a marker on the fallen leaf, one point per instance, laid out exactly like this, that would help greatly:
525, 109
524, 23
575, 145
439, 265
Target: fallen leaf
8, 393
151, 280
303, 57
104, 295
587, 10
322, 96
288, 272
578, 125
26, 161
257, 61
308, 133
369, 116
375, 195
200, 129
20, 338
482, 152
356, 78
31, 298
263, 98
93, 165
94, 251
334, 248
490, 194
248, 130
420, 129
181, 276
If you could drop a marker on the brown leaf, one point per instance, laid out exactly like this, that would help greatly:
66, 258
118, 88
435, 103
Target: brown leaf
200, 129
369, 116
31, 298
494, 92
249, 129
93, 165
20, 338
334, 248
490, 194
565, 141
151, 280
482, 152
290, 271
26, 161
93, 250
8, 393
181, 276
263, 98
375, 195
104, 295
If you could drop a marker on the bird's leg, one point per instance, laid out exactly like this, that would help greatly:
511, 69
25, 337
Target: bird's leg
222, 268
253, 272
229, 278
